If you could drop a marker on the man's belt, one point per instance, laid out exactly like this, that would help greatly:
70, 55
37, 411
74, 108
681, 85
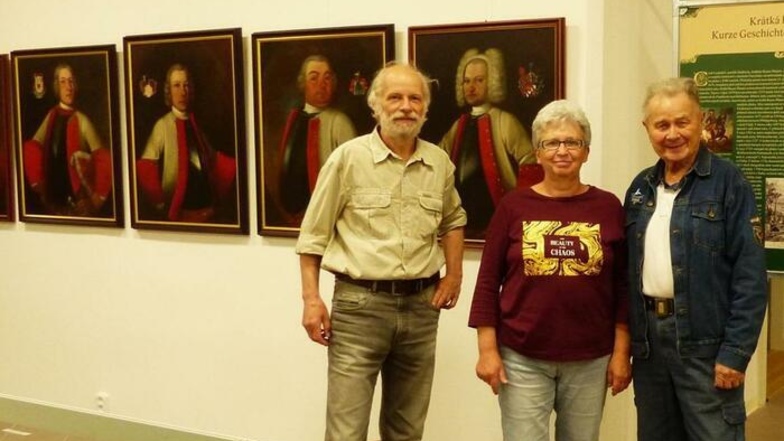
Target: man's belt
661, 306
394, 287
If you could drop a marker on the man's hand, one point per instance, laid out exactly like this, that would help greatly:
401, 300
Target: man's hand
448, 289
88, 205
727, 378
447, 292
315, 320
97, 201
315, 317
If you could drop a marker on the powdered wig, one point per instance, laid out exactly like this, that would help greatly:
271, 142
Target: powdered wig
56, 79
379, 84
558, 112
167, 86
496, 75
303, 71
670, 87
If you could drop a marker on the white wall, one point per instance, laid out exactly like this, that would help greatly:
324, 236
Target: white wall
776, 309
202, 331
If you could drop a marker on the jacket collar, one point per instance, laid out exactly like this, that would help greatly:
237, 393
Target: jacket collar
701, 167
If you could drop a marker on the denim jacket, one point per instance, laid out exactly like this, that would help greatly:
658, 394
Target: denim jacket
718, 261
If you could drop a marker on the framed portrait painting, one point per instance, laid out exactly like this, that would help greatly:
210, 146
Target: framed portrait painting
6, 185
67, 136
310, 96
186, 131
490, 80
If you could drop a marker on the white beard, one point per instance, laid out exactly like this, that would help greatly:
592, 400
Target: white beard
399, 129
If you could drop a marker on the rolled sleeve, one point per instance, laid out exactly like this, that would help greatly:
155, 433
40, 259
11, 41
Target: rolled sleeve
318, 225
454, 216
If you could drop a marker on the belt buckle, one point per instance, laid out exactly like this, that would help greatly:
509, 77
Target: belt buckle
391, 287
394, 288
662, 307
404, 287
399, 287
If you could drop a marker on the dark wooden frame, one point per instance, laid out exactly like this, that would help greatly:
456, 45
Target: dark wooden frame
7, 207
528, 46
95, 71
214, 61
354, 53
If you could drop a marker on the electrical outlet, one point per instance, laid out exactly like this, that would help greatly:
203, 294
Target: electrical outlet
102, 401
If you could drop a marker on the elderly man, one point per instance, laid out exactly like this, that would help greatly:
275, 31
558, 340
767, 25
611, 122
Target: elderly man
179, 173
66, 165
381, 204
487, 145
310, 135
697, 278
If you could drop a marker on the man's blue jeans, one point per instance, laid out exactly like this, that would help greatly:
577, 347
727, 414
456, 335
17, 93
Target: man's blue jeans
675, 396
574, 390
380, 332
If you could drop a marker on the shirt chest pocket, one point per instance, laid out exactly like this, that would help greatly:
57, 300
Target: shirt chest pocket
707, 220
370, 201
373, 208
432, 207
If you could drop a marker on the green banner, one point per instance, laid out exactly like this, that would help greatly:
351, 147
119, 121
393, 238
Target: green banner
735, 53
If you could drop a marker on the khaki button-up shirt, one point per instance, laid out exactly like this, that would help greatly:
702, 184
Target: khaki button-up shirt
375, 216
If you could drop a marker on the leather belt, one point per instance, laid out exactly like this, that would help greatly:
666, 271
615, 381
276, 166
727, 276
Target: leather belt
394, 287
661, 306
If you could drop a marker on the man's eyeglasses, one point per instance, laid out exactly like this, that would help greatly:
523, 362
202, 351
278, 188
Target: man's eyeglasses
551, 145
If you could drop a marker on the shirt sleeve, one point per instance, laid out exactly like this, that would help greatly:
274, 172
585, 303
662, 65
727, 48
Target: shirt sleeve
620, 271
748, 289
454, 216
485, 306
318, 225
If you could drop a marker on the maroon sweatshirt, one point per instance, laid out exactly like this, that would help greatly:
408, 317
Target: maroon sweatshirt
553, 278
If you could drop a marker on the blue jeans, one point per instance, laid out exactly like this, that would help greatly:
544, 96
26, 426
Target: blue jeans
675, 396
376, 333
574, 390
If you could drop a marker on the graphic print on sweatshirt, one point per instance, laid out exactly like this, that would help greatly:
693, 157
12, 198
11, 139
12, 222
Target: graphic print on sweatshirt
555, 248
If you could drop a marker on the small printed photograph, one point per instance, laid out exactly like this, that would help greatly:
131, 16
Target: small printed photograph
774, 213
718, 128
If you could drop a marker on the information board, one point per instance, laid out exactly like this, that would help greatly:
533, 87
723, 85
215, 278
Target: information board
735, 53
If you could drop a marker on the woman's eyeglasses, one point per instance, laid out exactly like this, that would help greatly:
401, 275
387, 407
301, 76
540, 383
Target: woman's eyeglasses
552, 145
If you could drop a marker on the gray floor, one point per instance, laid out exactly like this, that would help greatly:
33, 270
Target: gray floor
23, 421
31, 422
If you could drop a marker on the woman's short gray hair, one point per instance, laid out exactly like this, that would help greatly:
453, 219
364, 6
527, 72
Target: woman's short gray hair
560, 111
